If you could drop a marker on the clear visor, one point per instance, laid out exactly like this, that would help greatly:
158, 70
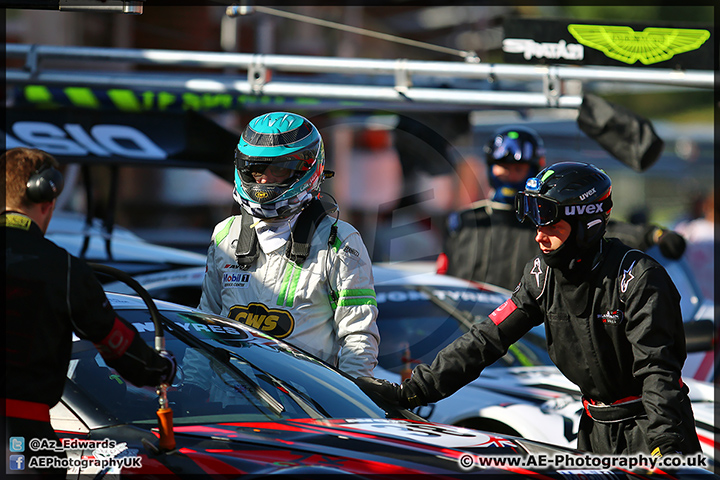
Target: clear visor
509, 149
540, 211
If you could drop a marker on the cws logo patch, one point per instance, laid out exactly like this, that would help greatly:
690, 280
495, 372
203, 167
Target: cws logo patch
278, 323
611, 318
652, 45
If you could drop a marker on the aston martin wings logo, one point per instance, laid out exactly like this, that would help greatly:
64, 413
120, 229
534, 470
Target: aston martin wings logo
652, 45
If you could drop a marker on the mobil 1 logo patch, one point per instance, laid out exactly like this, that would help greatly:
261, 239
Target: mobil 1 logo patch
235, 280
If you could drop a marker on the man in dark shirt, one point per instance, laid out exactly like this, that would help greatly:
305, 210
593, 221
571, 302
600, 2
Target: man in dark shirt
486, 243
612, 320
51, 295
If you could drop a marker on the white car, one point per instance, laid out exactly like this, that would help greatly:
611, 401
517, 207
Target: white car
119, 247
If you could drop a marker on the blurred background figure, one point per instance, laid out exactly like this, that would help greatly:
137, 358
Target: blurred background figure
486, 242
698, 229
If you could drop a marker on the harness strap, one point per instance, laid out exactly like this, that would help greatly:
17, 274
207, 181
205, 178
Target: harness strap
618, 411
298, 247
27, 410
246, 250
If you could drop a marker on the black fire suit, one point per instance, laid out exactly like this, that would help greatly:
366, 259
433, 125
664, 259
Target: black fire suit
49, 295
486, 243
618, 335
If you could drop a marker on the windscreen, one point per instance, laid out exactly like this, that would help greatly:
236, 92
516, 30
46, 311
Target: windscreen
224, 374
417, 321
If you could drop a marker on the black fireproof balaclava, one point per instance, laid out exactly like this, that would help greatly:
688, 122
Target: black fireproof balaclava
571, 258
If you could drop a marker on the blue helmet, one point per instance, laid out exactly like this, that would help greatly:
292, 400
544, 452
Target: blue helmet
285, 141
516, 144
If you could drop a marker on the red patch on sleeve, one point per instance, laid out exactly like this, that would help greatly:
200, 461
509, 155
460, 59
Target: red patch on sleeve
502, 312
441, 264
116, 343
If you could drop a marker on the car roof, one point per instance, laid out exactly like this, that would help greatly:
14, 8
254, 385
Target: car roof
423, 273
69, 230
121, 301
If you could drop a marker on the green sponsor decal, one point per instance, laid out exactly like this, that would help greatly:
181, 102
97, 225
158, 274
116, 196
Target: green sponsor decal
82, 96
138, 101
125, 100
40, 96
652, 45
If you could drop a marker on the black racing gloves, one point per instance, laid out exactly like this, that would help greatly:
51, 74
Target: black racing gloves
671, 244
406, 395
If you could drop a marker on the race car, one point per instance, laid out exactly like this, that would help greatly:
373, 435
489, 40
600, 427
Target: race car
248, 405
420, 312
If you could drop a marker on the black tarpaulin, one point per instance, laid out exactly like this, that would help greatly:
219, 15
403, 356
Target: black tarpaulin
625, 135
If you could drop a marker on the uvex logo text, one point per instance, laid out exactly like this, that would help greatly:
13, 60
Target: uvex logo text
587, 194
583, 209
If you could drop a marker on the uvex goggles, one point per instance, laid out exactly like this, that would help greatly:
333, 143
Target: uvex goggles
541, 211
545, 211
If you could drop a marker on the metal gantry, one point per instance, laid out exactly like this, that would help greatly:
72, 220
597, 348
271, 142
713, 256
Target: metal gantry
391, 81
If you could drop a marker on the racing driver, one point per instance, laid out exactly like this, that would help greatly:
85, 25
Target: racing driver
286, 265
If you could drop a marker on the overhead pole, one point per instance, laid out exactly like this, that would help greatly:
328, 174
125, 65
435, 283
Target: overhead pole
362, 78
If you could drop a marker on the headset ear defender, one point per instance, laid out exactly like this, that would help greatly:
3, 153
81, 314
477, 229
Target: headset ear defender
45, 184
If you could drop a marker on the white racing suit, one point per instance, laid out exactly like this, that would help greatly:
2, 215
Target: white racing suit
325, 306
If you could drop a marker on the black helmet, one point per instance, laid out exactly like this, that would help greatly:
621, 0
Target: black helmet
578, 193
513, 144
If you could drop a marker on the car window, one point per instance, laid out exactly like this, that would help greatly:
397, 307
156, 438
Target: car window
690, 293
230, 376
416, 323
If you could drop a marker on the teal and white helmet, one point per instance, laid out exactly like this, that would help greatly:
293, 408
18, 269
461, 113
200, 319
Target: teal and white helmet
284, 141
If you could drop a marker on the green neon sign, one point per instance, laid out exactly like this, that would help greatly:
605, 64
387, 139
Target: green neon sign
652, 45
